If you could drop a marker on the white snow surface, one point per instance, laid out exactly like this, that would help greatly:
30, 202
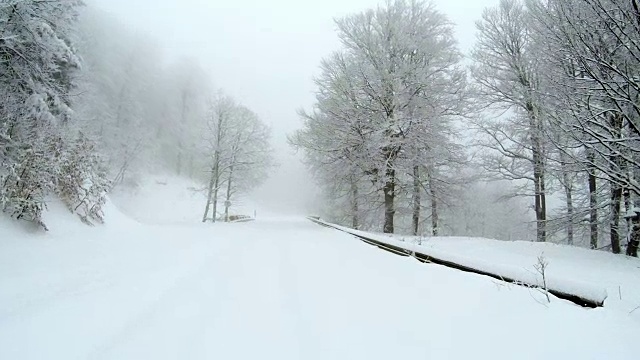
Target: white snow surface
596, 275
166, 199
276, 288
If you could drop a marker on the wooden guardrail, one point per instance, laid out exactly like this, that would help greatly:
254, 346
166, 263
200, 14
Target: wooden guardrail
422, 256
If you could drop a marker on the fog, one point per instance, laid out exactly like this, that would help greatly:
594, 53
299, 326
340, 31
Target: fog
265, 54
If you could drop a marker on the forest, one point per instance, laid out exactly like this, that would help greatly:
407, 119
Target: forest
546, 104
89, 105
533, 135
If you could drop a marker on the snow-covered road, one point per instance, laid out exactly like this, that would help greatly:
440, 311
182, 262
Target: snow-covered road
279, 288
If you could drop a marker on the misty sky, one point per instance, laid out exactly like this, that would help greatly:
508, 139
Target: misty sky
265, 54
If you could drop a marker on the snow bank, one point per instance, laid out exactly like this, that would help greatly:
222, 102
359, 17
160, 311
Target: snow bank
599, 276
276, 288
169, 200
161, 199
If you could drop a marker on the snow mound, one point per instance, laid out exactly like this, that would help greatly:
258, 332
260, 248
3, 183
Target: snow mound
161, 200
170, 199
289, 288
599, 276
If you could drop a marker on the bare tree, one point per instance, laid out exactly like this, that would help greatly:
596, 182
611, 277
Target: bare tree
42, 153
239, 150
248, 156
397, 75
507, 76
218, 118
597, 41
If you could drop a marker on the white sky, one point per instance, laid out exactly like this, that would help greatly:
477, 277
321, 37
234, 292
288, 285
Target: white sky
265, 54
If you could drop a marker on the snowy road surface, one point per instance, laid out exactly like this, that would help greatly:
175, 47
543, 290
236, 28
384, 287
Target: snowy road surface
272, 289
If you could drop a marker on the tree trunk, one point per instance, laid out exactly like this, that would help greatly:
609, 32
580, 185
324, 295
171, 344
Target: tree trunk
537, 152
212, 194
539, 206
593, 201
634, 174
634, 236
209, 194
354, 204
227, 202
568, 192
543, 203
616, 165
390, 153
434, 215
569, 197
628, 208
389, 190
434, 203
616, 198
416, 199
614, 224
215, 197
540, 199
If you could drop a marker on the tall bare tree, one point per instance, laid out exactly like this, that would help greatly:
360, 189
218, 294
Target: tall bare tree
599, 42
507, 75
398, 71
239, 150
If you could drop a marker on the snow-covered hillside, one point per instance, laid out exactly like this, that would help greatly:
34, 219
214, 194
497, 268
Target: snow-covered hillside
596, 275
170, 200
277, 288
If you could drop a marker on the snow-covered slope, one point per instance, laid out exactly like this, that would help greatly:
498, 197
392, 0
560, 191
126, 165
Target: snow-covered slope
596, 275
169, 200
276, 288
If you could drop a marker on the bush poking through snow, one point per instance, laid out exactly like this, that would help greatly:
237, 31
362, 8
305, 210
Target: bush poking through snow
82, 183
67, 168
541, 268
35, 113
22, 187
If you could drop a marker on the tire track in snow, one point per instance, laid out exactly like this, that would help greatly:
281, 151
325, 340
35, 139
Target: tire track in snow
217, 291
289, 295
168, 299
63, 286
